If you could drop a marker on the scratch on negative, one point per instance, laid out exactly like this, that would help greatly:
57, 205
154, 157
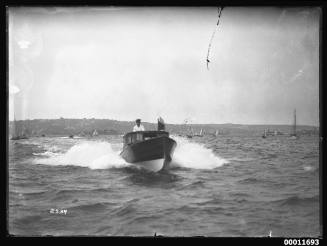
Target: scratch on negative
220, 9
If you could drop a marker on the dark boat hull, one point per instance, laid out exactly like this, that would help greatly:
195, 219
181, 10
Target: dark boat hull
18, 138
153, 154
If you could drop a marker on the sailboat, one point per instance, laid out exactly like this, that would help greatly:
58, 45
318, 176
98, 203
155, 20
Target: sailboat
95, 133
264, 135
200, 134
191, 133
293, 134
17, 135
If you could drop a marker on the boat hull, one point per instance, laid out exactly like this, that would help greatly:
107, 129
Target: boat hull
152, 165
18, 138
154, 154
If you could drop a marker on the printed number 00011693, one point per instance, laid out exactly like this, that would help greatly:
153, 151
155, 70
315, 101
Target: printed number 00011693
301, 241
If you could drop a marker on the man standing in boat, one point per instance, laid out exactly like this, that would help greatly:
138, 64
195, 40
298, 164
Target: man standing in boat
161, 124
138, 126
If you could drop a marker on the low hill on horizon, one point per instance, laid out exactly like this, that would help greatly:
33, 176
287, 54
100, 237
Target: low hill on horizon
64, 126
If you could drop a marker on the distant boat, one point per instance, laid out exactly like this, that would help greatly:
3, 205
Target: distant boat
95, 133
200, 134
277, 132
189, 132
17, 133
264, 135
293, 135
19, 137
268, 132
71, 136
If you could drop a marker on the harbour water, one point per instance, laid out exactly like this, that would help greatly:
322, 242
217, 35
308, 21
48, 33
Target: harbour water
225, 186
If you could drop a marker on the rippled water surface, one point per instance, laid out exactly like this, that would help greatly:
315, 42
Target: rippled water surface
224, 186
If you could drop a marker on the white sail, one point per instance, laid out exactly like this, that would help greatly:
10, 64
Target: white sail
294, 126
293, 134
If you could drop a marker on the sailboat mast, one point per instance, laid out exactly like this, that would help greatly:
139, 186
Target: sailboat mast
294, 126
14, 127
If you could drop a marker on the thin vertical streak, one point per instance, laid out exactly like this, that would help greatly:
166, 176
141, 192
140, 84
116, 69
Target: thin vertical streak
213, 35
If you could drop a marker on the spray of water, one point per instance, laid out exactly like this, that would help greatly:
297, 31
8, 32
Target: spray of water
100, 155
94, 155
194, 155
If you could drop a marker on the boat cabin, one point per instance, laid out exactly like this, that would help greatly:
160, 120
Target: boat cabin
134, 137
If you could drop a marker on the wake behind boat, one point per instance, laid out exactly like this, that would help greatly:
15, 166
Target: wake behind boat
151, 150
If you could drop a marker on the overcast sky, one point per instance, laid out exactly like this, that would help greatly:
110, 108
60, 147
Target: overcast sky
128, 63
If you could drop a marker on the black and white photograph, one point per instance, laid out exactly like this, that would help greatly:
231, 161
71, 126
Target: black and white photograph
164, 121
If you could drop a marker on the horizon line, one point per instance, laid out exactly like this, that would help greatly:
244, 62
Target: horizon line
228, 123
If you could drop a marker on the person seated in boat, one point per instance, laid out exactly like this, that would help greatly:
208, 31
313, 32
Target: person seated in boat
161, 124
138, 127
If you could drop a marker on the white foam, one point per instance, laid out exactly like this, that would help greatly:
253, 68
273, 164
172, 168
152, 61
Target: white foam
308, 168
95, 155
100, 155
52, 148
46, 153
195, 155
70, 137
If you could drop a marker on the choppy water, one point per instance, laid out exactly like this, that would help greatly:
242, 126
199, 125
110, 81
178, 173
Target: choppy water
225, 186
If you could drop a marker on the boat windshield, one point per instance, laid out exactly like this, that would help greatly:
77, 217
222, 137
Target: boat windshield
134, 137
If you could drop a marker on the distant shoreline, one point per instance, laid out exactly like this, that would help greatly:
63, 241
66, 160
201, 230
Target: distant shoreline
181, 124
86, 127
